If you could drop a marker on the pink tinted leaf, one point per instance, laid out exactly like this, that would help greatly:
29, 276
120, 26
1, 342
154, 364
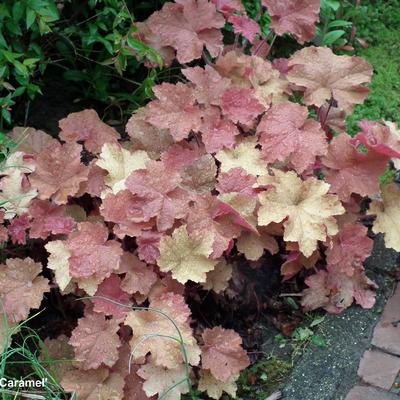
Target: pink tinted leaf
297, 17
245, 26
229, 5
181, 155
335, 291
126, 210
95, 183
349, 248
30, 140
317, 294
324, 75
95, 341
378, 138
175, 110
110, 288
209, 84
236, 180
208, 215
159, 187
148, 246
296, 261
240, 105
86, 126
287, 132
91, 252
188, 26
217, 133
146, 35
139, 277
59, 172
47, 219
17, 229
351, 171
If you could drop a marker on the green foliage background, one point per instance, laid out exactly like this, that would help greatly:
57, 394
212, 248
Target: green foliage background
378, 22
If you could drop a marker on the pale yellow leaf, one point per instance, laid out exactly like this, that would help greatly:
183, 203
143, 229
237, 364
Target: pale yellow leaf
14, 199
214, 387
58, 262
120, 163
218, 279
308, 207
387, 214
245, 155
186, 257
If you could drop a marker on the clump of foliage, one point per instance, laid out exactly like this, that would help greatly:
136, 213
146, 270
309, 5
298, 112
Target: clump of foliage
378, 23
92, 43
223, 165
22, 25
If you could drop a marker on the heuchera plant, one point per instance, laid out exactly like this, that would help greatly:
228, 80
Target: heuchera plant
221, 163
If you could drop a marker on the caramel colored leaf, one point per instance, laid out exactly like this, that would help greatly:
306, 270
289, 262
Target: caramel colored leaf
150, 328
253, 246
86, 126
218, 279
59, 172
325, 75
95, 341
158, 380
21, 289
147, 137
222, 353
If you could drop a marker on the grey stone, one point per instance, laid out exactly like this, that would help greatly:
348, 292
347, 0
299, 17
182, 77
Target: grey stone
328, 373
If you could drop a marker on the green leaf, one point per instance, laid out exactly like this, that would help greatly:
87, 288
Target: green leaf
338, 24
303, 333
19, 91
8, 86
13, 28
21, 68
319, 341
30, 17
75, 75
31, 61
332, 4
332, 37
317, 320
43, 27
6, 115
3, 42
18, 10
3, 71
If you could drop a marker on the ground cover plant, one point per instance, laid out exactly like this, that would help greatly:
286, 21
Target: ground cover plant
241, 156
